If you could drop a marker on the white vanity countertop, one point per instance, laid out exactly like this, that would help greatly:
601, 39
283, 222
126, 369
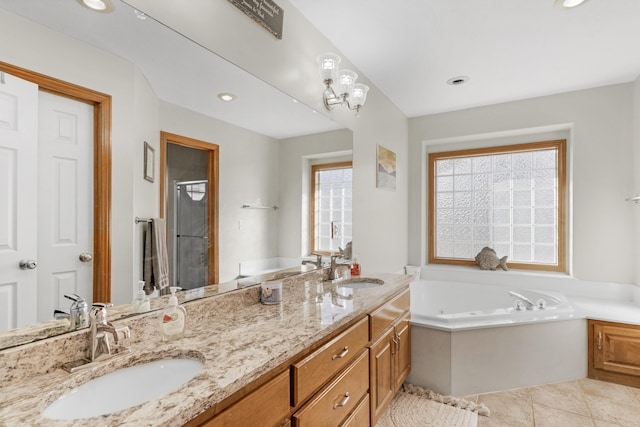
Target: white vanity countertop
237, 342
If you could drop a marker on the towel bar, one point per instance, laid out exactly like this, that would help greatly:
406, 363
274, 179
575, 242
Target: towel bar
139, 220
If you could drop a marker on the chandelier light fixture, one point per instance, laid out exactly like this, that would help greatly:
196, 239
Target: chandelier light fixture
340, 85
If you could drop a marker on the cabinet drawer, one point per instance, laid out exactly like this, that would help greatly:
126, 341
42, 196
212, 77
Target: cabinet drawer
337, 400
359, 417
316, 369
266, 406
383, 317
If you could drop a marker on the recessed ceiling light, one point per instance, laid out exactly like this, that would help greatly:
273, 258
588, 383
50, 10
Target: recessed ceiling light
569, 3
458, 80
226, 96
104, 6
95, 4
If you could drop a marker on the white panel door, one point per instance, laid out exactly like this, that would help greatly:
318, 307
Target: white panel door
65, 213
18, 196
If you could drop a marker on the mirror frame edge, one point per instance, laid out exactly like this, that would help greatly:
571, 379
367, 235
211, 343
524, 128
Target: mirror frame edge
102, 168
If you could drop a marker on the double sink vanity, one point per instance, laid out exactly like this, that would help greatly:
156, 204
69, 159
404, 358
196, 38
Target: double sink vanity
332, 353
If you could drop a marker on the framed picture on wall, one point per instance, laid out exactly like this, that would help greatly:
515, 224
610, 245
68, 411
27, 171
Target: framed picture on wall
149, 162
386, 173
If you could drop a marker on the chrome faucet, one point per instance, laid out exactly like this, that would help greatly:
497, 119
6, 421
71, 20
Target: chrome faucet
99, 345
317, 262
78, 314
526, 301
335, 266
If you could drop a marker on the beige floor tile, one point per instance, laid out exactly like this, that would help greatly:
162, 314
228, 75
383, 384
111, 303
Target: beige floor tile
566, 396
612, 411
492, 422
511, 408
599, 423
610, 391
546, 416
636, 392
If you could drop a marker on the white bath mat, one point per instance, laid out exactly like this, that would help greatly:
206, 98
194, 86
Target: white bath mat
416, 407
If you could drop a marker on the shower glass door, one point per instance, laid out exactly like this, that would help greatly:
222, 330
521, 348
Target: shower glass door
190, 248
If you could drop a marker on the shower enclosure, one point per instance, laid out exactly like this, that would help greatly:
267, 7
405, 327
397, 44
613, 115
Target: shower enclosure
190, 241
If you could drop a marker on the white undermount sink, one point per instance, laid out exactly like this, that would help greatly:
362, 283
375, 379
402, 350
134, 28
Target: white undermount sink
123, 388
360, 283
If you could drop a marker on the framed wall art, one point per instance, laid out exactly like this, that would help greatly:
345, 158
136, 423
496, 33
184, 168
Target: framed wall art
149, 162
386, 174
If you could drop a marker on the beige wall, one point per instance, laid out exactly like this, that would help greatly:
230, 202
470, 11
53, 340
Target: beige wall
599, 122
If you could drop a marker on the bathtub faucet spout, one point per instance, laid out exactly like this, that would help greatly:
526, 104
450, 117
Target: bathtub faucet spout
526, 301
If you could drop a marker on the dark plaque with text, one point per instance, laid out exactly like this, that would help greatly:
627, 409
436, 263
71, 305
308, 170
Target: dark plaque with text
264, 12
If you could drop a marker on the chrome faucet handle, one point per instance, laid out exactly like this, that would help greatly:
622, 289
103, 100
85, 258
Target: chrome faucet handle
99, 312
125, 331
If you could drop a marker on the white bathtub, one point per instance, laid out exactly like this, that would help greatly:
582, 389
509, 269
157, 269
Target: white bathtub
467, 338
458, 305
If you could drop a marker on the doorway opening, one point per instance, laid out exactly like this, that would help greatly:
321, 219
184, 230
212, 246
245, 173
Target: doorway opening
189, 203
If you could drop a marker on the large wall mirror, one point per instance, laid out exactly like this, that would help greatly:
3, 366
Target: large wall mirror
160, 81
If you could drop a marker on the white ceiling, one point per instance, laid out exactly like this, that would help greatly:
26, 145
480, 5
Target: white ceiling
510, 49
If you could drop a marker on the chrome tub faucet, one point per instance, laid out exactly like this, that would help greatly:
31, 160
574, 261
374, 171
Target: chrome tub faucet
526, 301
317, 262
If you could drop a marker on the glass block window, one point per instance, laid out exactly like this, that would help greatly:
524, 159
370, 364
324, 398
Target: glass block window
510, 198
331, 206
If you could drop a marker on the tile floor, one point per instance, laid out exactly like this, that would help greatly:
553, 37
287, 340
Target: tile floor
579, 403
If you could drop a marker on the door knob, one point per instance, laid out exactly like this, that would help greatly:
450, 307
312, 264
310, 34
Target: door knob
85, 257
28, 264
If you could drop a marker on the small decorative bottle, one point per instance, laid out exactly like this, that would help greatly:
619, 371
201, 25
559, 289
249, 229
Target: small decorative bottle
173, 318
355, 267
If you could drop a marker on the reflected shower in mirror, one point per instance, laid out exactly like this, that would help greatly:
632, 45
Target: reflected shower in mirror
187, 216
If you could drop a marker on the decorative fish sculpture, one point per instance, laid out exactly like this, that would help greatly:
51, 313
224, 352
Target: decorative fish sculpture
487, 259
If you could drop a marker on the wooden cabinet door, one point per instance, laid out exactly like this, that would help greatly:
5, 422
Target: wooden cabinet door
403, 351
381, 379
617, 349
614, 352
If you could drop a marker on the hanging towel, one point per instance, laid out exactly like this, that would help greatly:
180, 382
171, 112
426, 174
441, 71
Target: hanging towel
156, 260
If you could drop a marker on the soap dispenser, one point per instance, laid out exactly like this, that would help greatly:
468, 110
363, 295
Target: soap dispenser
140, 303
173, 318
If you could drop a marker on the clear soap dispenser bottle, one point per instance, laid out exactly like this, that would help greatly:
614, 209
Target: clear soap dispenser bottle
140, 303
174, 317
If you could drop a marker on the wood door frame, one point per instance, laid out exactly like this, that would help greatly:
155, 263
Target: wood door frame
101, 168
213, 169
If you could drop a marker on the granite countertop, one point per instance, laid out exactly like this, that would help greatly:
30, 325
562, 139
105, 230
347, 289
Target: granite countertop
238, 339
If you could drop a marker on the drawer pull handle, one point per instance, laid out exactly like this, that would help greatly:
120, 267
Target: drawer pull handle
343, 402
341, 355
599, 340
